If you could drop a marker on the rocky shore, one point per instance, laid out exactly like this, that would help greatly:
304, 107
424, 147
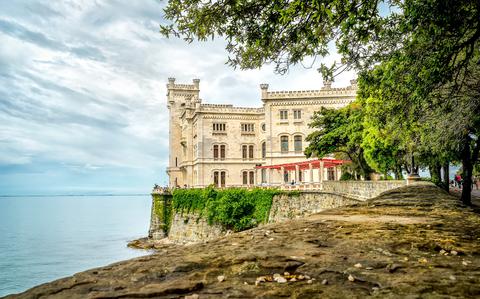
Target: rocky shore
416, 242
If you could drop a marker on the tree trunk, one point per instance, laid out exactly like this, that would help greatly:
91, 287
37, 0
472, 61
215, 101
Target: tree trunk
446, 176
435, 173
467, 166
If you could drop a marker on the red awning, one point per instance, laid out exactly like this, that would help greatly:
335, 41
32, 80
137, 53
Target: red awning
327, 163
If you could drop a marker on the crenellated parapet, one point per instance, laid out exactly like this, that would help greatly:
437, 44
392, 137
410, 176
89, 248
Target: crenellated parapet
221, 108
327, 91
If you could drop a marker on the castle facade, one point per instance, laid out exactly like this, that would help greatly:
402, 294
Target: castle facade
231, 146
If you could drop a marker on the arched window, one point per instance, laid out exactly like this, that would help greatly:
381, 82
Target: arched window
284, 144
222, 152
219, 178
215, 152
245, 177
264, 150
298, 143
250, 151
244, 152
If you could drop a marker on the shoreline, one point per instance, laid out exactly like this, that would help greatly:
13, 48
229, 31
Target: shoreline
414, 241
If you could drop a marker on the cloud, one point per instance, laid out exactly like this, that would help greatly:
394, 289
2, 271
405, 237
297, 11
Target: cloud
83, 92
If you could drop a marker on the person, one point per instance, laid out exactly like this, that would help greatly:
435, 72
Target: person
476, 182
458, 180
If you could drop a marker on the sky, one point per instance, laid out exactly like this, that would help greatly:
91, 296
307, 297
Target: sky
83, 93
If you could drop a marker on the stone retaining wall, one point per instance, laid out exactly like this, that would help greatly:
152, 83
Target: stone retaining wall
361, 190
192, 228
285, 206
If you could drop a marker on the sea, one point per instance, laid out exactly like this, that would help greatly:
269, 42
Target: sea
43, 238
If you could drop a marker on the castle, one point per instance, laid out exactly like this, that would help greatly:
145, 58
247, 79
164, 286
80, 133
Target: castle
231, 146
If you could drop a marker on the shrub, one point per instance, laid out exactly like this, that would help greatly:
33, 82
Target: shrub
234, 208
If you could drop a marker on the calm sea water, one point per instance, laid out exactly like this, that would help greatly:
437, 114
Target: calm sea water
46, 238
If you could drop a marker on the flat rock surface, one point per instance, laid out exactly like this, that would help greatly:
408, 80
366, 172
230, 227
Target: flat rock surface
414, 242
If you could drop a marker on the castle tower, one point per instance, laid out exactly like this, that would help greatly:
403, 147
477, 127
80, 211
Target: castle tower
178, 96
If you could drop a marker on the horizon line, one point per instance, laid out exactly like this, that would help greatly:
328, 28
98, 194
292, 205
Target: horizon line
65, 195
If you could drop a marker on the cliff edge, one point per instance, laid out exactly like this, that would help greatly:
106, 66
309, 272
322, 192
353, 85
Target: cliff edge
413, 241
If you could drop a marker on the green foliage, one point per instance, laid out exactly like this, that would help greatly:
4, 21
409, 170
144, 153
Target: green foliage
339, 131
234, 208
163, 210
346, 176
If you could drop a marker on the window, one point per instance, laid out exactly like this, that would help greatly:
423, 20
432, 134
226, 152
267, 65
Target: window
244, 152
245, 177
215, 152
264, 175
285, 177
219, 127
222, 178
219, 178
252, 177
284, 144
331, 174
264, 127
297, 114
248, 128
222, 152
298, 143
215, 178
283, 114
250, 151
219, 152
264, 150
176, 162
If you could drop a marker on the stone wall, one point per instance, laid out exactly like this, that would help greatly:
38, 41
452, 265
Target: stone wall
285, 206
361, 190
160, 216
192, 228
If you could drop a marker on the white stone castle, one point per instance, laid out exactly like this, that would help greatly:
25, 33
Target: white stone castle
231, 146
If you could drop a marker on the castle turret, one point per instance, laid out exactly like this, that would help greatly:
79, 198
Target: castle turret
179, 98
264, 88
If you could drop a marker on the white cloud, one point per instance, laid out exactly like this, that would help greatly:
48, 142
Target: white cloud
83, 82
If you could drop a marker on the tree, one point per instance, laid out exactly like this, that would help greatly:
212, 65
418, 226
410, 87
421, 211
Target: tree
425, 45
339, 131
365, 32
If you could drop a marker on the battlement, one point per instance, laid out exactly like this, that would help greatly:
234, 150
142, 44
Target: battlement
228, 108
328, 92
193, 87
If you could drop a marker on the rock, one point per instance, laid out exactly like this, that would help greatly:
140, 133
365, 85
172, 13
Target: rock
193, 296
309, 281
220, 278
281, 279
453, 252
423, 260
307, 277
261, 279
324, 282
464, 263
442, 251
286, 274
393, 267
351, 278
369, 268
271, 239
451, 277
245, 283
276, 275
358, 265
293, 279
